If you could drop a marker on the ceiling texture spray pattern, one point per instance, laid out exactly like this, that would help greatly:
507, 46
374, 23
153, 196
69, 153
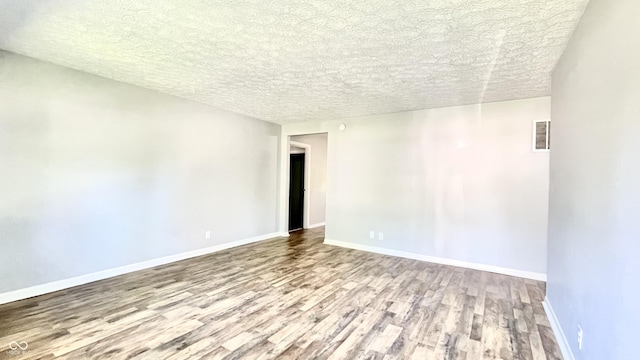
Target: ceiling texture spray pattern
297, 60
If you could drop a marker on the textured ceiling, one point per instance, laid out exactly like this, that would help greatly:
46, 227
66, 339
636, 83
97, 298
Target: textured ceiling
288, 60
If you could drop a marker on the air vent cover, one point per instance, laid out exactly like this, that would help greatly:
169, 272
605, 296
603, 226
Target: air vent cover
541, 135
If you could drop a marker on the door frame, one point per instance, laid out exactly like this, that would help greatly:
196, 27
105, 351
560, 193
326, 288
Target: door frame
307, 179
286, 132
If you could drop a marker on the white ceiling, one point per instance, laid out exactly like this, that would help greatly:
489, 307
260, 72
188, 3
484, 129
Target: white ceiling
297, 60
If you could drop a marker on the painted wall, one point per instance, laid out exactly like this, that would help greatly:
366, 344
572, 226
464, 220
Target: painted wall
318, 181
459, 183
96, 174
594, 246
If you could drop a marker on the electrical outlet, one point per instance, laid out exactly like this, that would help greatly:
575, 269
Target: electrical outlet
207, 234
380, 236
580, 337
372, 234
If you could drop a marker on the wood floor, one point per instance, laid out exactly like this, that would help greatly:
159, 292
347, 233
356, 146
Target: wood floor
290, 298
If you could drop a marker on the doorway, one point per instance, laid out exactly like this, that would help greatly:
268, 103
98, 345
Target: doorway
296, 191
304, 197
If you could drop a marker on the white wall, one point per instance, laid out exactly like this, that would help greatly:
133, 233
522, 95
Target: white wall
459, 183
318, 181
296, 150
594, 239
96, 174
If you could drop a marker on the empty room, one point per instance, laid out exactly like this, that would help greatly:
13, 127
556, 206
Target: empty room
420, 180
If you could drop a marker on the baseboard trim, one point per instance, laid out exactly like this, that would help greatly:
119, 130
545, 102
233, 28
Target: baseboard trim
563, 344
42, 289
315, 225
439, 260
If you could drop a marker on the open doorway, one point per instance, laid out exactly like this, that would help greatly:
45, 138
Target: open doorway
307, 181
297, 188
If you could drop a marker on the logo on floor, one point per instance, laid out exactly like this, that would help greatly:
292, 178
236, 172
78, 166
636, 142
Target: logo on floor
18, 348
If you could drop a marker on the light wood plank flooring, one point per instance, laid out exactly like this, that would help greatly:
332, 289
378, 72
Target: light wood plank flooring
290, 298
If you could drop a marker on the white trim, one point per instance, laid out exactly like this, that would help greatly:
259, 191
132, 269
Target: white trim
307, 180
316, 225
282, 234
32, 291
439, 260
567, 354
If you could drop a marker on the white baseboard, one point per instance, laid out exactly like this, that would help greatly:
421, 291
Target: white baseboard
104, 274
439, 260
563, 344
315, 225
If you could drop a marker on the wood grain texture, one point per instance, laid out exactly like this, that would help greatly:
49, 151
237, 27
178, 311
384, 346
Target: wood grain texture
292, 298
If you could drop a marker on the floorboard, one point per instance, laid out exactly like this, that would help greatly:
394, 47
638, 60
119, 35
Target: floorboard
292, 298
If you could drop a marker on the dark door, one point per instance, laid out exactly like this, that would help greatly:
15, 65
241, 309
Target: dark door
296, 191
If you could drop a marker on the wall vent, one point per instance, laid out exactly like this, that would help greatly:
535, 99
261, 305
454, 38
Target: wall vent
541, 135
